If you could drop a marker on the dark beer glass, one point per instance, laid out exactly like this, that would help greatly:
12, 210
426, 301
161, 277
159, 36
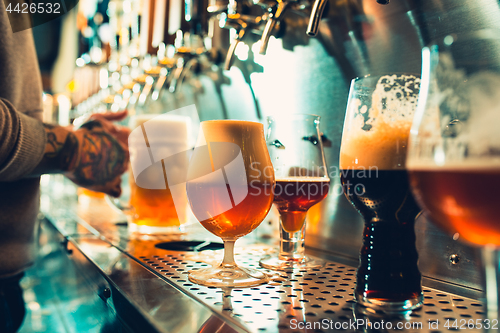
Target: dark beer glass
374, 179
454, 148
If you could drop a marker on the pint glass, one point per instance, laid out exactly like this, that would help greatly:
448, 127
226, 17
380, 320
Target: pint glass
153, 207
375, 181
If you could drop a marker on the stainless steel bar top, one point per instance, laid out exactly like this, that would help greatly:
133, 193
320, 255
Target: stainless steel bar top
154, 282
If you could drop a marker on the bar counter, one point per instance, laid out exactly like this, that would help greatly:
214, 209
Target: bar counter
135, 286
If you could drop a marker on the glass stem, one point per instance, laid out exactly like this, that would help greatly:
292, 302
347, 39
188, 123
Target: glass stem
292, 244
491, 269
228, 261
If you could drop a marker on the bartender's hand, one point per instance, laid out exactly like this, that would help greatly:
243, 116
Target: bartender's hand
93, 156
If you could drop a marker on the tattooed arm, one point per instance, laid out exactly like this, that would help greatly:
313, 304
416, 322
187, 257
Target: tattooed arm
93, 156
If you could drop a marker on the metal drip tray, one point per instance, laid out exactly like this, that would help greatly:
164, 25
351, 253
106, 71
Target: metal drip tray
189, 246
319, 300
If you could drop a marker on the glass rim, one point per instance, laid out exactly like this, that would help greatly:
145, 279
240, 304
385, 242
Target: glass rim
229, 121
374, 75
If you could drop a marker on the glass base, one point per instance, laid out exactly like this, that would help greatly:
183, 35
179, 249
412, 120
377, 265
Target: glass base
275, 263
375, 306
228, 277
148, 230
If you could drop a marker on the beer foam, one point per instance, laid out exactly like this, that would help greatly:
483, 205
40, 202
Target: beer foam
377, 130
163, 128
458, 127
240, 132
229, 130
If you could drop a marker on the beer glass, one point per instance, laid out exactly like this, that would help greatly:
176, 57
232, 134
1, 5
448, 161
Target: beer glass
454, 148
153, 208
302, 181
229, 187
374, 179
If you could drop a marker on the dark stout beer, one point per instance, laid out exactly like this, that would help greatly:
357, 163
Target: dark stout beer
375, 180
388, 268
461, 199
293, 197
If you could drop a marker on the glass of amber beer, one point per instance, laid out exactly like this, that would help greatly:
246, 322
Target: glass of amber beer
302, 181
374, 178
454, 149
229, 187
158, 146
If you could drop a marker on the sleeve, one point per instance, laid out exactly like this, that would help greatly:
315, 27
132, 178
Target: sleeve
22, 143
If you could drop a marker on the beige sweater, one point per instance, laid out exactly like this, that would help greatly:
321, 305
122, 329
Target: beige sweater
22, 144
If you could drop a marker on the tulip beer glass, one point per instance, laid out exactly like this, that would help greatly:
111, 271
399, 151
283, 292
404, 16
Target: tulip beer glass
454, 150
230, 183
302, 181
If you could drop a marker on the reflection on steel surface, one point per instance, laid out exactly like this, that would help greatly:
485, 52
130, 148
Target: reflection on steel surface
320, 295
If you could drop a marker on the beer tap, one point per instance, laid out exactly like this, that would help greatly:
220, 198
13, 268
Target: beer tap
276, 11
243, 24
187, 60
275, 15
167, 67
317, 13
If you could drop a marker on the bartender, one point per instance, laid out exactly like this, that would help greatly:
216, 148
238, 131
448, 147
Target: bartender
93, 156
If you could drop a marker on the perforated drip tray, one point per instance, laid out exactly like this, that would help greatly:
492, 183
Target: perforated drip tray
319, 300
190, 246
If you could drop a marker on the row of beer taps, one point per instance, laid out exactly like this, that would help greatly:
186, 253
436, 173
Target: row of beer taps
235, 15
260, 18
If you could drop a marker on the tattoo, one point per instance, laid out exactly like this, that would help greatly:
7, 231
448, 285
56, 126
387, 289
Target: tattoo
53, 145
91, 157
90, 125
60, 150
68, 156
102, 160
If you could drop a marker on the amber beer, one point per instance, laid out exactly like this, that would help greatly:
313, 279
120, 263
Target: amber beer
153, 209
461, 199
294, 196
241, 219
213, 198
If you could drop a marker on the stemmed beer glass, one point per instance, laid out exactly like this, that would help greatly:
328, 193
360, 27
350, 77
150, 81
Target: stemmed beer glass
454, 150
374, 179
230, 191
302, 181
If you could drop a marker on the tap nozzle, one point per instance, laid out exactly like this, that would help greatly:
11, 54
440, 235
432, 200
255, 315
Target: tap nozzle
243, 23
316, 14
232, 50
271, 24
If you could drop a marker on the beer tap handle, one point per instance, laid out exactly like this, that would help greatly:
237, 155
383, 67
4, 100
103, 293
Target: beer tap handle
271, 24
316, 14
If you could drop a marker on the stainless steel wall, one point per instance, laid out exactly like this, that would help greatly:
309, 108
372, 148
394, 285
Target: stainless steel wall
300, 74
